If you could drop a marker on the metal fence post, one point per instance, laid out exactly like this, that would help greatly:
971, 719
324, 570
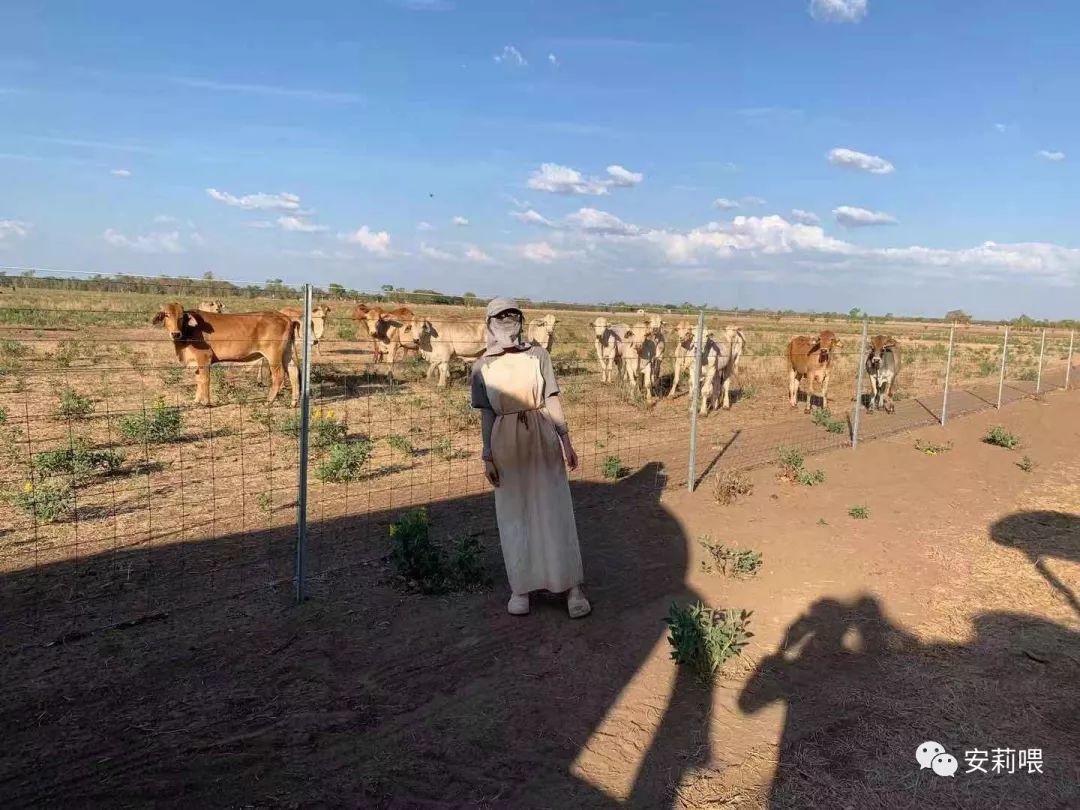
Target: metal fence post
948, 368
695, 393
1004, 354
858, 389
1068, 365
1042, 351
302, 471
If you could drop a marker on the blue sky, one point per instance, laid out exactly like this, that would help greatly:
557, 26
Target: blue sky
895, 156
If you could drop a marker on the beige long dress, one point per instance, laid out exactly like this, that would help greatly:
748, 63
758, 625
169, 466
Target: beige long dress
537, 530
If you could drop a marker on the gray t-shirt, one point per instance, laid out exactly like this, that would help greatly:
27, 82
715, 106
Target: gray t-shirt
479, 390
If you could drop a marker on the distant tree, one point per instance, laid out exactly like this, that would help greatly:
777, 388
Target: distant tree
336, 290
854, 313
208, 275
387, 288
957, 316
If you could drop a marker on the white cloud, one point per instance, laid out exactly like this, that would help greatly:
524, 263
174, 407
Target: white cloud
377, 242
461, 222
852, 217
860, 161
120, 173
805, 217
751, 200
554, 60
544, 253
622, 177
475, 254
532, 217
724, 204
843, 11
14, 229
754, 235
165, 242
1052, 156
511, 56
297, 225
268, 90
260, 224
282, 201
1001, 127
165, 219
424, 226
436, 253
595, 221
557, 179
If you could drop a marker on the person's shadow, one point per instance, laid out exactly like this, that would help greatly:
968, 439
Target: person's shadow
862, 694
1041, 534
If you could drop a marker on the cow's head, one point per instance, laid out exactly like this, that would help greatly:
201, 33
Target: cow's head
684, 331
875, 351
826, 343
599, 327
175, 319
542, 329
211, 306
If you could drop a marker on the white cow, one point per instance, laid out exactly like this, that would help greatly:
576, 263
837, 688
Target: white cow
642, 353
720, 361
608, 342
684, 352
440, 341
542, 332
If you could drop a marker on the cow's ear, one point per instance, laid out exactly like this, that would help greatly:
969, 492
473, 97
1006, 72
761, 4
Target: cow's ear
159, 317
891, 343
191, 319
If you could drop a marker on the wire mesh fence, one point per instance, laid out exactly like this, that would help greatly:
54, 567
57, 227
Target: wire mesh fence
124, 501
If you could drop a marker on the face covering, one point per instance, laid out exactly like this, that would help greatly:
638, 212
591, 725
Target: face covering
504, 334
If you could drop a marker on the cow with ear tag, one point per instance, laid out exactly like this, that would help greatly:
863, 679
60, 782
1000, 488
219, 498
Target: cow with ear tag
882, 365
201, 339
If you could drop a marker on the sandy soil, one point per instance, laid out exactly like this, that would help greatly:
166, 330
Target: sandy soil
950, 614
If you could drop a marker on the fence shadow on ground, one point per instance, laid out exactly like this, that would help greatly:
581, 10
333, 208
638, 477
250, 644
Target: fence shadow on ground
365, 694
861, 694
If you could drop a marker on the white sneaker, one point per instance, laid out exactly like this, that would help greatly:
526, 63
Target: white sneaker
576, 603
518, 605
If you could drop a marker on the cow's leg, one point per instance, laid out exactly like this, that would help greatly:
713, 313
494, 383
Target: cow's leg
706, 392
293, 370
793, 388
647, 380
444, 373
889, 406
727, 392
676, 373
810, 378
277, 378
202, 384
825, 391
392, 352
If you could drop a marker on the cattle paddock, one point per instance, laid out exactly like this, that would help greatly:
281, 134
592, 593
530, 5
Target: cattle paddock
86, 375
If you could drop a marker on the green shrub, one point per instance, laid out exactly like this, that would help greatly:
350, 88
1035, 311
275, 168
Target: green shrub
444, 448
1026, 464
44, 502
265, 503
171, 375
344, 461
932, 449
731, 562
324, 428
859, 512
400, 443
73, 405
986, 366
729, 485
346, 330
425, 566
78, 459
705, 639
3, 416
792, 468
823, 418
613, 468
1000, 437
11, 352
1028, 374
161, 424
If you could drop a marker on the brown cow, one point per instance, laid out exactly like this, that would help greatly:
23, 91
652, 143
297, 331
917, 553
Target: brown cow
810, 359
211, 306
388, 330
318, 326
201, 339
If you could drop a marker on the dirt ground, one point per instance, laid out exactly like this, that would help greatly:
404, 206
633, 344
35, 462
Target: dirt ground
950, 614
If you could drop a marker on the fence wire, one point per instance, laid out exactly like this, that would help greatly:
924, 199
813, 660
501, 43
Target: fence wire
123, 501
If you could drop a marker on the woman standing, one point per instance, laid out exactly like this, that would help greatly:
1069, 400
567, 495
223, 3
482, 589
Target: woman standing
525, 443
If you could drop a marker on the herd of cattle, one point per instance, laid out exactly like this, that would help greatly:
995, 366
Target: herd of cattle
628, 352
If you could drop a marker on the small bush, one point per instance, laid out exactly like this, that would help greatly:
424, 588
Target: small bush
161, 424
73, 405
1026, 464
792, 468
823, 418
401, 444
346, 330
265, 503
1000, 437
11, 352
44, 502
705, 639
171, 375
344, 461
986, 366
425, 566
3, 416
731, 562
78, 459
729, 485
932, 449
859, 512
324, 429
613, 468
1029, 374
443, 447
